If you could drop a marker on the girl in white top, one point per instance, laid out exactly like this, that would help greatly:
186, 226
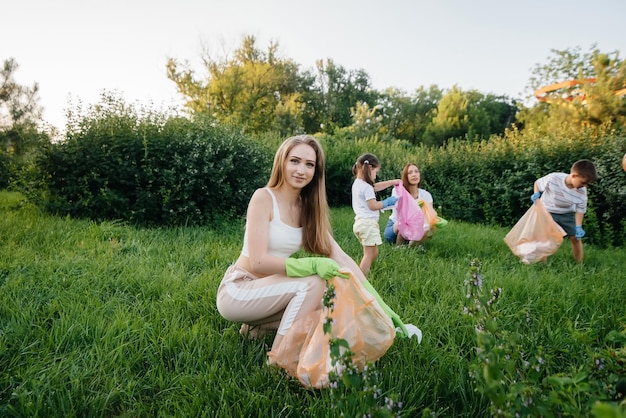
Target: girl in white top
367, 208
267, 289
412, 181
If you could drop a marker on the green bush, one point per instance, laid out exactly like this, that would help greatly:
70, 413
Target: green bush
151, 169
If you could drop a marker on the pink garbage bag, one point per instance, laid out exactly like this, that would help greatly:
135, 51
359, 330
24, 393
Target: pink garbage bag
410, 215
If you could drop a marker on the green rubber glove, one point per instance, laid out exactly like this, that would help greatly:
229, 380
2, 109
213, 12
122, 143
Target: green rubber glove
326, 268
395, 318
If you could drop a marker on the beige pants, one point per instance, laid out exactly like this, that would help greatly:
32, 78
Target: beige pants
243, 297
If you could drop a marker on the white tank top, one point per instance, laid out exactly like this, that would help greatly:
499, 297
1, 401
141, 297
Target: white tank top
284, 240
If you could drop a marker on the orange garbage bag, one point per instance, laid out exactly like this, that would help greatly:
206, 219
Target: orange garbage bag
357, 317
535, 236
430, 216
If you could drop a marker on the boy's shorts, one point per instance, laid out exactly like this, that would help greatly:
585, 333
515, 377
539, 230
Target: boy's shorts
367, 231
567, 221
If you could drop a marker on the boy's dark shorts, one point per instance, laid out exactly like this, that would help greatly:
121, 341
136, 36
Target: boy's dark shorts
567, 221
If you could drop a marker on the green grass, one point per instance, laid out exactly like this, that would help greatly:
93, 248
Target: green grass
103, 319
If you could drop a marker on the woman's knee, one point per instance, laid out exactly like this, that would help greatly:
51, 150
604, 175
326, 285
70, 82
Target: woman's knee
315, 285
389, 235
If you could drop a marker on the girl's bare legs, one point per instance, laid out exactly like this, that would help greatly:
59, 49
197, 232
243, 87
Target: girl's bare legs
370, 253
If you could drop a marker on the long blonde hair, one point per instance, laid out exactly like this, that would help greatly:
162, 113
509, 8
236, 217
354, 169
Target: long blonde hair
314, 209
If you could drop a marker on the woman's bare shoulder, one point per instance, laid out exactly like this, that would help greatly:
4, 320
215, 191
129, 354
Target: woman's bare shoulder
260, 200
261, 194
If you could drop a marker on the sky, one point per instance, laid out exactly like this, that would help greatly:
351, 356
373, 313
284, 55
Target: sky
76, 50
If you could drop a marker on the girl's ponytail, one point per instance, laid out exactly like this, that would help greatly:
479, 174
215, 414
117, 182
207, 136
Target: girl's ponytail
364, 164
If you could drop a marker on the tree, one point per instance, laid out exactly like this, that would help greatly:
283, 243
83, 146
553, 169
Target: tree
489, 114
470, 115
340, 91
19, 111
451, 119
366, 121
255, 90
406, 117
329, 94
606, 98
20, 136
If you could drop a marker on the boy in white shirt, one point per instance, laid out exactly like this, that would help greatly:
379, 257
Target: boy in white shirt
565, 197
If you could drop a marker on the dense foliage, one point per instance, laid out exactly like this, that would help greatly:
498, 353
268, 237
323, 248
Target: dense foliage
259, 91
254, 90
151, 170
156, 170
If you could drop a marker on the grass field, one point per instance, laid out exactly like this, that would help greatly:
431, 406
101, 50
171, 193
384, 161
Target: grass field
103, 319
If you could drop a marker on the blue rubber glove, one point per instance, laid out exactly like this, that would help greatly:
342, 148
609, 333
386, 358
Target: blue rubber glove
326, 268
390, 201
535, 196
579, 232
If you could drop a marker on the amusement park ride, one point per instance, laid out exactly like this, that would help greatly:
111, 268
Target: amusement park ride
550, 93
